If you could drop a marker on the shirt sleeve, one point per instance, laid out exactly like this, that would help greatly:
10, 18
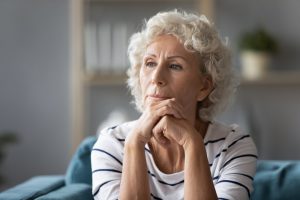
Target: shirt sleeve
106, 161
238, 167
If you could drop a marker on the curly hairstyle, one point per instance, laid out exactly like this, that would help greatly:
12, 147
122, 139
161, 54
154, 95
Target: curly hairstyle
196, 33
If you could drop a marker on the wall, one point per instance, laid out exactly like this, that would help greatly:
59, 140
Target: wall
34, 86
280, 18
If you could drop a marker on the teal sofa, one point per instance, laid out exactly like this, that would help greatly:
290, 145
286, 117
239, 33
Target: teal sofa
273, 180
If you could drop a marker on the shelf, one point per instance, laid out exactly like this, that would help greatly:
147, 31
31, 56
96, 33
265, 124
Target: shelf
277, 78
137, 1
98, 79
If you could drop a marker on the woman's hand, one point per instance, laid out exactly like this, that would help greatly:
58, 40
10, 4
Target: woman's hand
174, 129
153, 113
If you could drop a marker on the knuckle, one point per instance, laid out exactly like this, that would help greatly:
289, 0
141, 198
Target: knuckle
163, 111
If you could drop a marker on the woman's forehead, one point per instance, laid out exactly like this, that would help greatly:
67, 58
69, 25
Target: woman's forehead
167, 43
171, 47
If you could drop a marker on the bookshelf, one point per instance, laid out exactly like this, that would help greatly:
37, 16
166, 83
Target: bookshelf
98, 79
275, 78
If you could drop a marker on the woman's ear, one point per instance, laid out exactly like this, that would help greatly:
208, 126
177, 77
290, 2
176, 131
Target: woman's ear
206, 88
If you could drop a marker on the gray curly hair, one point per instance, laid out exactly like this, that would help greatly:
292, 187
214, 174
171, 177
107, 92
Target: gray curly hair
196, 33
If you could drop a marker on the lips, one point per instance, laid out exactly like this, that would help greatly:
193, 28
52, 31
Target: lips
157, 97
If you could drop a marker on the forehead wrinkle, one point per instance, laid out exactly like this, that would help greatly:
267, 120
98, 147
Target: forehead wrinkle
177, 56
149, 54
179, 51
169, 57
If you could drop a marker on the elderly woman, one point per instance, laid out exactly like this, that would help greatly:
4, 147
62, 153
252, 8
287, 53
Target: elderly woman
181, 78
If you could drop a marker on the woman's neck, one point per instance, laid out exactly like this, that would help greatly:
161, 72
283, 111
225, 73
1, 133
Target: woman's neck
201, 126
168, 158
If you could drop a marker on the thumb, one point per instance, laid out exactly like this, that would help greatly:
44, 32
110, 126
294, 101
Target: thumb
159, 133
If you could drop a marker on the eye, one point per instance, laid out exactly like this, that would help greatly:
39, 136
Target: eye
150, 64
175, 66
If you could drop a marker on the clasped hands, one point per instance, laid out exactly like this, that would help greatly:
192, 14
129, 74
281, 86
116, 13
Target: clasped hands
166, 121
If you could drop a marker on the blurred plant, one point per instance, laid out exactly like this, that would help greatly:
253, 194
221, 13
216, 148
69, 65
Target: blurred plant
258, 40
6, 137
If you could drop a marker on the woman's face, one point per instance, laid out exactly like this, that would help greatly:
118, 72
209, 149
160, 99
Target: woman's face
170, 71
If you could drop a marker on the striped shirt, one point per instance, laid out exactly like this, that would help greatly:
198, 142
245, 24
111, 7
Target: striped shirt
231, 155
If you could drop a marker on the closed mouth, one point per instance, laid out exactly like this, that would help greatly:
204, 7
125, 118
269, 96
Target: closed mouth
157, 97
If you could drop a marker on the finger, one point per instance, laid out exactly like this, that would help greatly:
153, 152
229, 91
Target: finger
160, 138
158, 133
170, 129
158, 104
178, 107
167, 110
167, 107
173, 103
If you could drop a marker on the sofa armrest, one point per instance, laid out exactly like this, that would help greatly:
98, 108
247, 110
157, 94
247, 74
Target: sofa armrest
76, 191
277, 180
34, 188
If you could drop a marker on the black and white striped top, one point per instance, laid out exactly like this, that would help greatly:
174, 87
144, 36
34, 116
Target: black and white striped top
231, 154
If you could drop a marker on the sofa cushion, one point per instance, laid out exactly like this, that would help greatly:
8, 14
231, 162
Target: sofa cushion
33, 188
76, 191
79, 169
277, 180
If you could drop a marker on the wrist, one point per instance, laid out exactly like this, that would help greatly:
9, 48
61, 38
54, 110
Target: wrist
135, 140
193, 143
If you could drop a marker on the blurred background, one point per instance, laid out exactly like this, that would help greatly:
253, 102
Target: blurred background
63, 63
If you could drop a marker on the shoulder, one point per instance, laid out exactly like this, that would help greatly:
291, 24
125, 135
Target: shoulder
109, 147
235, 162
220, 129
228, 133
119, 131
115, 134
230, 137
240, 141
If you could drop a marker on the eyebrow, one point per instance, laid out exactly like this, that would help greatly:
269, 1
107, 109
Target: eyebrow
169, 57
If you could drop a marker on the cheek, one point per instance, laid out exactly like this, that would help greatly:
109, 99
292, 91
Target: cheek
143, 80
187, 93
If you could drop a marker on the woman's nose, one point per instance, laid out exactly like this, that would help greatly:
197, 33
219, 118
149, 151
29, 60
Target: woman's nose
159, 75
